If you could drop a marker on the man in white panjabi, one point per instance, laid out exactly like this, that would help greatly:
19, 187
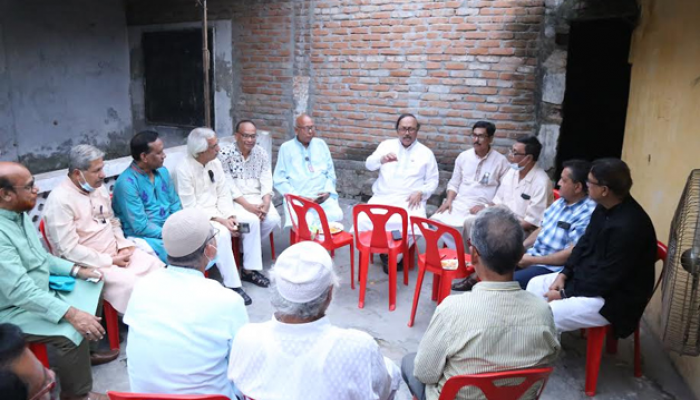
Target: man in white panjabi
81, 227
201, 183
298, 354
408, 174
249, 175
476, 176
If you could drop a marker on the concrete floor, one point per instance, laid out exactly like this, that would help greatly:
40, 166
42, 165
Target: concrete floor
616, 379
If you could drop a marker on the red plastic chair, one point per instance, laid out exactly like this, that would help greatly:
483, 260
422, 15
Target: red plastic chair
110, 314
236, 245
431, 260
39, 350
299, 206
555, 193
378, 240
485, 382
596, 338
148, 396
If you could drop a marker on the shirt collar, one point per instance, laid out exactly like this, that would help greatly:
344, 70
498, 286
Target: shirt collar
497, 286
11, 215
409, 148
296, 140
488, 153
301, 329
139, 171
530, 175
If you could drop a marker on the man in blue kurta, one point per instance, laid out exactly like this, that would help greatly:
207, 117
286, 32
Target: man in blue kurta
59, 318
305, 168
144, 195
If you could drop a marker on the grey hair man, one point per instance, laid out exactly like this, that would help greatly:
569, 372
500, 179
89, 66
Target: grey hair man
298, 353
181, 325
496, 314
82, 228
201, 183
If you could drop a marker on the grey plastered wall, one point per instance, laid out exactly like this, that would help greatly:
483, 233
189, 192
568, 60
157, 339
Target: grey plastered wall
222, 73
64, 80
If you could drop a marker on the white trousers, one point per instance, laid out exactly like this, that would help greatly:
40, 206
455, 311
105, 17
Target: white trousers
225, 261
572, 313
259, 230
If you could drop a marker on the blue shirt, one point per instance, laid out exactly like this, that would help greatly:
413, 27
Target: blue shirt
304, 171
143, 206
562, 226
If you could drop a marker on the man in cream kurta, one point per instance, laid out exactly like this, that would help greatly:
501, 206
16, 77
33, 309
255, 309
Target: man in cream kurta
81, 227
201, 183
249, 175
475, 179
408, 174
61, 319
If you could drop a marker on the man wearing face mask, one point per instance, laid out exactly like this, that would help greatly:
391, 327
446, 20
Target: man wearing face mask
477, 174
525, 189
81, 227
181, 325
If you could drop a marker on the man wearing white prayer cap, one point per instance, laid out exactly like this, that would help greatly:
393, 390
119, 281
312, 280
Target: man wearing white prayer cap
298, 354
181, 325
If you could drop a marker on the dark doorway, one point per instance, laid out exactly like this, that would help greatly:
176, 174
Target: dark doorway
597, 90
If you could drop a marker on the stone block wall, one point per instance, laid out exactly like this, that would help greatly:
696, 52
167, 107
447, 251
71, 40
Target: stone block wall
355, 65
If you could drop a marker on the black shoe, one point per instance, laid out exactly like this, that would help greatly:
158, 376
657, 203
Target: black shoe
246, 299
399, 267
464, 285
255, 277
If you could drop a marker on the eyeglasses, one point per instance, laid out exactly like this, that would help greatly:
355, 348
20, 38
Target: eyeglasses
252, 136
404, 129
515, 153
306, 128
46, 389
590, 182
470, 244
29, 187
479, 137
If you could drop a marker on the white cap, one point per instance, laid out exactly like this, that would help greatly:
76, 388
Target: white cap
185, 231
303, 272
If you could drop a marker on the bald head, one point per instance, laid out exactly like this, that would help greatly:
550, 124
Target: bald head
17, 189
305, 129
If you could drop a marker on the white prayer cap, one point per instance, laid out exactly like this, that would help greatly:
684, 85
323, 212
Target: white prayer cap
185, 231
303, 272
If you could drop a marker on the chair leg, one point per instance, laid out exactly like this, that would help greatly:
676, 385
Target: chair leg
445, 289
392, 281
272, 245
236, 246
637, 354
406, 264
352, 266
332, 253
112, 320
436, 287
416, 296
596, 337
39, 350
364, 263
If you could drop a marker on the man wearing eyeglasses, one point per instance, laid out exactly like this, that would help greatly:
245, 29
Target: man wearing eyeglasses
248, 172
525, 189
408, 174
63, 319
476, 176
201, 183
305, 168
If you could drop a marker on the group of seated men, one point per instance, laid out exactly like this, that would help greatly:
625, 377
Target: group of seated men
182, 333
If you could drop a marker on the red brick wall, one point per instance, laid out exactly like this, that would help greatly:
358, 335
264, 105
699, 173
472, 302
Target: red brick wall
450, 62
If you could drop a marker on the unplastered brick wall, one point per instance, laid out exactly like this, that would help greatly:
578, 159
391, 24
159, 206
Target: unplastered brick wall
355, 65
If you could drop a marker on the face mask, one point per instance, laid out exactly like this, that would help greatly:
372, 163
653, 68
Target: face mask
516, 166
84, 185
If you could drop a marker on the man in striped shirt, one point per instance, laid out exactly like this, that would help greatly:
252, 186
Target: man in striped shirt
564, 223
495, 327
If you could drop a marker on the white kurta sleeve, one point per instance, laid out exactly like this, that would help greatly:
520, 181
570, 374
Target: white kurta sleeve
374, 161
432, 177
456, 179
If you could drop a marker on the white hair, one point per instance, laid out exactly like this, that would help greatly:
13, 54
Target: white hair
197, 141
82, 155
310, 309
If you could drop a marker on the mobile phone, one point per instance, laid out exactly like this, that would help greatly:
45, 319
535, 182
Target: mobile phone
243, 227
396, 235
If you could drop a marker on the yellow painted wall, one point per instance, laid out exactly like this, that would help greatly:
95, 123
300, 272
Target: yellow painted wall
662, 136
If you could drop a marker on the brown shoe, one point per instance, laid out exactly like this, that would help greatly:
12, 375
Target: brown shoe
103, 357
464, 285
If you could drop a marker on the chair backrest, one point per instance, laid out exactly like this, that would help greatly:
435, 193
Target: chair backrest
555, 193
299, 206
42, 229
432, 231
661, 251
379, 214
148, 396
485, 382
